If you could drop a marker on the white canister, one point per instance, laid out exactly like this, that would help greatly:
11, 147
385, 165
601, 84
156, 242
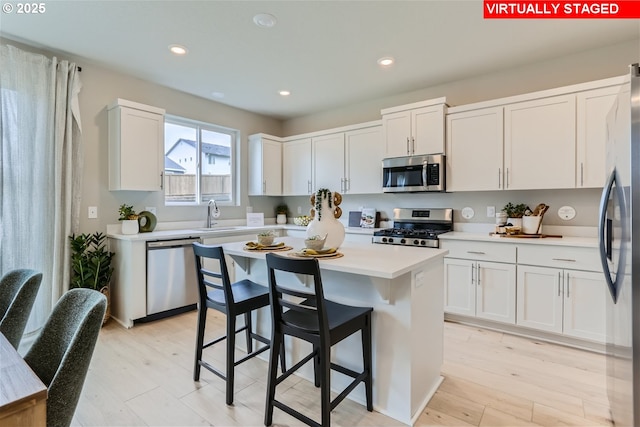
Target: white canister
501, 218
130, 226
530, 224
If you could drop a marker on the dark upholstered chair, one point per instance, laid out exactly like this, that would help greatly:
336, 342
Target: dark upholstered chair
323, 323
18, 290
240, 298
61, 353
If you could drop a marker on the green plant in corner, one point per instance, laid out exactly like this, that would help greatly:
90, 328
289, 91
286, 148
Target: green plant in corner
282, 209
90, 261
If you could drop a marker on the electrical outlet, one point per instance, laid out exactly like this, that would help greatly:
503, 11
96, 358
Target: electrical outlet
151, 209
491, 211
93, 212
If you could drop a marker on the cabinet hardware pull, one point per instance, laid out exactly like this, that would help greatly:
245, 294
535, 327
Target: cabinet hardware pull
478, 275
264, 186
413, 145
559, 279
582, 174
568, 285
407, 145
162, 180
507, 185
476, 252
563, 259
473, 273
499, 178
347, 185
309, 186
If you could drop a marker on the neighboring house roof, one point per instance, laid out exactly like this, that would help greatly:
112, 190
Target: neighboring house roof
170, 165
208, 148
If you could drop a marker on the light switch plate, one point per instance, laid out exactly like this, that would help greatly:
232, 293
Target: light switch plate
151, 209
491, 211
92, 212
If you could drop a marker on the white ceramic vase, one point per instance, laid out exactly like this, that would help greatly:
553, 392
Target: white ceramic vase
281, 218
324, 222
516, 222
130, 226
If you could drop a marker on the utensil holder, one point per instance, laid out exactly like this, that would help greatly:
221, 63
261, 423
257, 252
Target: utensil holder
531, 224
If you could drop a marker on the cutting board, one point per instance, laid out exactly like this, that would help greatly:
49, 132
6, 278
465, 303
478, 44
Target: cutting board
527, 236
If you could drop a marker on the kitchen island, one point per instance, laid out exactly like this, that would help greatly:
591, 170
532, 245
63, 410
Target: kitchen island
404, 285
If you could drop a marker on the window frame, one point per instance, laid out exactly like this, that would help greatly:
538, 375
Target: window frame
199, 126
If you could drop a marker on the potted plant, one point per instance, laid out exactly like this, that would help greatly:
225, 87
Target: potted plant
129, 219
514, 213
91, 264
281, 214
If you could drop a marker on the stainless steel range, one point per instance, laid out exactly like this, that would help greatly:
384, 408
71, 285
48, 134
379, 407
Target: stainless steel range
416, 227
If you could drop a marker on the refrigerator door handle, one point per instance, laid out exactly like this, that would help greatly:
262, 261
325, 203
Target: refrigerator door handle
605, 234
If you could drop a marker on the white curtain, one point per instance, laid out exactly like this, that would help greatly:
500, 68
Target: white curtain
40, 170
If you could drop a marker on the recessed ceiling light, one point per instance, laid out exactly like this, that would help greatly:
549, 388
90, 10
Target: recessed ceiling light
264, 20
385, 61
218, 95
178, 49
284, 92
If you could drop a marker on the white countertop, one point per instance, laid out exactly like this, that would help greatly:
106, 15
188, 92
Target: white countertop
221, 230
367, 259
587, 242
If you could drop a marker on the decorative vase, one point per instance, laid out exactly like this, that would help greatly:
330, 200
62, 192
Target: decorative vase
325, 216
281, 219
130, 226
516, 222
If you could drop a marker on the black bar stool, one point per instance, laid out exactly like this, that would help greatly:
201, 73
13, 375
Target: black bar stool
321, 322
232, 299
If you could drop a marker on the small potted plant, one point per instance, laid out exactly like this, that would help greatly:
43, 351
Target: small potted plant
281, 214
91, 264
129, 219
514, 213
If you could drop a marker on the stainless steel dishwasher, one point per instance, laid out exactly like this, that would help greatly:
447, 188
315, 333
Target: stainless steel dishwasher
172, 285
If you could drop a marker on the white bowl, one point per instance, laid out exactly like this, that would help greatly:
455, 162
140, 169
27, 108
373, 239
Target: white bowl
265, 240
315, 244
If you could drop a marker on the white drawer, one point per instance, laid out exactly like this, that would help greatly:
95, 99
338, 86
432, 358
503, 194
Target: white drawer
570, 257
481, 251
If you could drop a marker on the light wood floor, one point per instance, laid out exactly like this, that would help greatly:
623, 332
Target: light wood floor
143, 376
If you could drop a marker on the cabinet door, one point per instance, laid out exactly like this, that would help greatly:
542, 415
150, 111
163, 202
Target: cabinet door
328, 162
496, 291
364, 151
427, 130
540, 144
591, 135
296, 168
460, 289
134, 135
585, 297
474, 150
539, 298
396, 128
265, 166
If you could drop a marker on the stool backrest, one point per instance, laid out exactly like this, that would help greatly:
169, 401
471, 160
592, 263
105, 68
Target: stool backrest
217, 253
310, 315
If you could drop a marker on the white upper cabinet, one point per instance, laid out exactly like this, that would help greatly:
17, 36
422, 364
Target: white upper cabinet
474, 150
363, 166
540, 143
136, 146
328, 162
414, 129
591, 133
265, 165
296, 168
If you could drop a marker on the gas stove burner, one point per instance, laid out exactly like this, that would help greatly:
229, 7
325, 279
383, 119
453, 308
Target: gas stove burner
416, 227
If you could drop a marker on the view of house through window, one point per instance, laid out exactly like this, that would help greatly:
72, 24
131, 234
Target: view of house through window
198, 162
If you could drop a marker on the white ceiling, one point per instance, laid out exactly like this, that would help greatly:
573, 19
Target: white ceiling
324, 52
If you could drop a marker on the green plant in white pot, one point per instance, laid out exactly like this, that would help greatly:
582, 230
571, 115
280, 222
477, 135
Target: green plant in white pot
129, 219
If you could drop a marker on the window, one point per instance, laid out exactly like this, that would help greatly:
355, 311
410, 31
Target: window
198, 162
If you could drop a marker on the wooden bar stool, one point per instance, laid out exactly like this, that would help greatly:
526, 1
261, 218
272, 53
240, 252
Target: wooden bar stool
321, 322
240, 298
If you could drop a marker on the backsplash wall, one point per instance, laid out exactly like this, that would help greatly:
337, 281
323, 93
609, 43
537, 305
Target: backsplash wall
584, 201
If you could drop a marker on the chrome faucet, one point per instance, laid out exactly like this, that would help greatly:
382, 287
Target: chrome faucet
211, 213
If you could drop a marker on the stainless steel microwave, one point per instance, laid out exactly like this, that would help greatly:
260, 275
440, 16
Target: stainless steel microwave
414, 174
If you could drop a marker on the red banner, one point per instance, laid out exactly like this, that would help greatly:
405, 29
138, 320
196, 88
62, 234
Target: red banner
627, 9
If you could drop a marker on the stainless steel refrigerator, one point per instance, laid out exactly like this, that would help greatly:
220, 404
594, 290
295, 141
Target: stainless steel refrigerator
619, 233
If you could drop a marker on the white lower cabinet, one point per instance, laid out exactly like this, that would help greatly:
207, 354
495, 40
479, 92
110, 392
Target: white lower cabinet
571, 302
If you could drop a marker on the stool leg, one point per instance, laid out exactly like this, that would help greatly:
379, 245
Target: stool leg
231, 345
276, 341
366, 355
247, 322
283, 363
202, 320
316, 366
325, 384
